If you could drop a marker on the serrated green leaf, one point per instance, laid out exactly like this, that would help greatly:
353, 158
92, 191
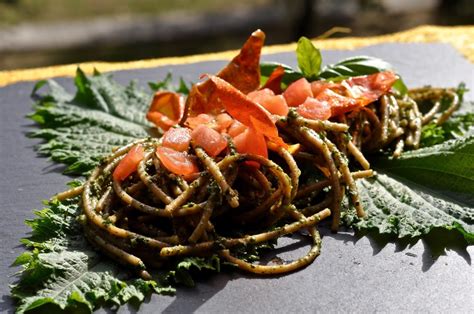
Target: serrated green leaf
38, 86
23, 258
81, 129
394, 206
447, 166
63, 270
182, 272
309, 58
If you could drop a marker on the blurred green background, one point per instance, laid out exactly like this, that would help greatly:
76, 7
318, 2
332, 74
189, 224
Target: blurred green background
46, 32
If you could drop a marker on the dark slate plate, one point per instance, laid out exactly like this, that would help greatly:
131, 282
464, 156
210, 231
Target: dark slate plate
351, 275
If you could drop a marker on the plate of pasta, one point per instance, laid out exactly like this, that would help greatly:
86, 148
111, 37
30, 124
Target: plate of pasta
201, 176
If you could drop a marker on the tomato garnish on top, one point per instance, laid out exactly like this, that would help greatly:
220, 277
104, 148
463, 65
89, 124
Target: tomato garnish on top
208, 139
177, 139
275, 104
179, 163
166, 109
314, 99
297, 92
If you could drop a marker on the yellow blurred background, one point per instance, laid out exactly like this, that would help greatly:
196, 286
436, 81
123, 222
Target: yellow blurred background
45, 32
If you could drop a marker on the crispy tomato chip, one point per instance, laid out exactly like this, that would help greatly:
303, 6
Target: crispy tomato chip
338, 103
241, 108
198, 100
369, 88
243, 72
166, 109
354, 92
274, 80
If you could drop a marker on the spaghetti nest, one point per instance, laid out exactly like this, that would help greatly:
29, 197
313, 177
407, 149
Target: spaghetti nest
239, 200
235, 201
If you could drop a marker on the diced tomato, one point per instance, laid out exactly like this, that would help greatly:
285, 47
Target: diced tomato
194, 122
129, 163
251, 142
314, 109
297, 92
219, 123
179, 163
223, 121
166, 109
318, 86
275, 104
210, 140
177, 139
260, 95
274, 80
236, 128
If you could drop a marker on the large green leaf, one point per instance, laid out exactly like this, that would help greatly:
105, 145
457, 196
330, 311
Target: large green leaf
397, 207
458, 126
448, 166
79, 130
64, 271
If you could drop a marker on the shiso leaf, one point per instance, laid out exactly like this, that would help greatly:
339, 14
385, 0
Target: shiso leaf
397, 207
447, 167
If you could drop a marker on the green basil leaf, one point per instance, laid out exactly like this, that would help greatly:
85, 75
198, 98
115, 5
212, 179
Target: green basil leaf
356, 66
309, 58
